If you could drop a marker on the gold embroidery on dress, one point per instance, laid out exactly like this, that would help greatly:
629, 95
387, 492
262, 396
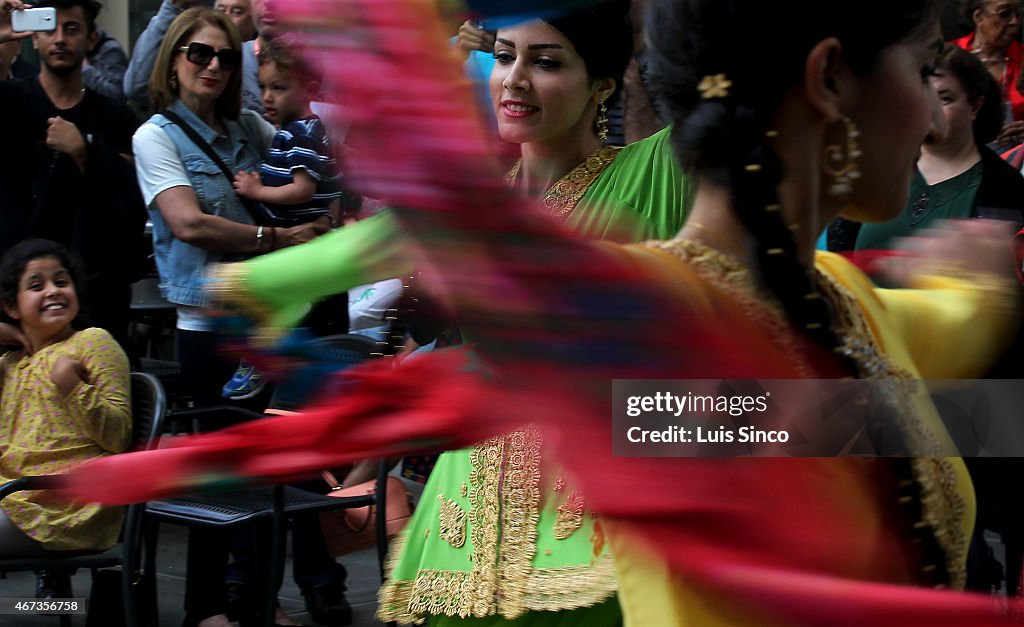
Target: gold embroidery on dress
732, 277
443, 592
502, 579
571, 587
943, 506
570, 516
597, 539
484, 515
520, 513
561, 198
451, 522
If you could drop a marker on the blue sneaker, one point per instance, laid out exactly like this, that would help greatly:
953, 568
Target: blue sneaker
246, 383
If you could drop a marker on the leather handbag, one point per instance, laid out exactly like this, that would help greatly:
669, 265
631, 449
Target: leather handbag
355, 528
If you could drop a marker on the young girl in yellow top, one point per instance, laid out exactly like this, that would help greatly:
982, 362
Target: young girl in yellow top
64, 399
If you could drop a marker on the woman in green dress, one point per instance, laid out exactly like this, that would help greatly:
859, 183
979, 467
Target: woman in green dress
496, 537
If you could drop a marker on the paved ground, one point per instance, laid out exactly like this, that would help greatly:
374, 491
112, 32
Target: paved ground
363, 581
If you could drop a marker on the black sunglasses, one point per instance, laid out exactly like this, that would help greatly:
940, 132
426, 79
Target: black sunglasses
203, 54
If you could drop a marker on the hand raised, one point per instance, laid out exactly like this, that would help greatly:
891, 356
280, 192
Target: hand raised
472, 38
11, 335
67, 373
955, 248
7, 32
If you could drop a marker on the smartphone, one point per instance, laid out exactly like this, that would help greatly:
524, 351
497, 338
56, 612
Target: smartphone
34, 19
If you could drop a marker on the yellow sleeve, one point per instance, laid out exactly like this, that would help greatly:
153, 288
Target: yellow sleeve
953, 328
942, 328
102, 405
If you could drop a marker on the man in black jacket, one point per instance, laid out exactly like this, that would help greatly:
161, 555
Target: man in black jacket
66, 173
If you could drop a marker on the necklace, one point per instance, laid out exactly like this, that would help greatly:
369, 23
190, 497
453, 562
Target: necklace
989, 60
561, 198
993, 62
725, 243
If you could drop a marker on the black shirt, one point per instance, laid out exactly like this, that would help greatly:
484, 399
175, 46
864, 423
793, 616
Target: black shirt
42, 192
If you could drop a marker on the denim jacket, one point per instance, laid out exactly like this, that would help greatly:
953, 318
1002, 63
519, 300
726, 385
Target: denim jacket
182, 265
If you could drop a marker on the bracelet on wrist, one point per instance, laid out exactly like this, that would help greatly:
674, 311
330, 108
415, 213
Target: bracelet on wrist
259, 238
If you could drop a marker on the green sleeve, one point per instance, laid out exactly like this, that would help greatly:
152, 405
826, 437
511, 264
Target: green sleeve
367, 251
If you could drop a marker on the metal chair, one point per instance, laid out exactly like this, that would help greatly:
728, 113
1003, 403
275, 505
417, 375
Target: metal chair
273, 504
149, 405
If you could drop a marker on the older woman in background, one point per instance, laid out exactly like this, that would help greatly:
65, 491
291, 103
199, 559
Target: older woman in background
996, 42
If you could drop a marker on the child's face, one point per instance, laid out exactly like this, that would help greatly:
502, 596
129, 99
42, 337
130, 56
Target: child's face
47, 302
285, 98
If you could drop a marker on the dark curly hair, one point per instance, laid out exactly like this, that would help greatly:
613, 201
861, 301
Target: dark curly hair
16, 259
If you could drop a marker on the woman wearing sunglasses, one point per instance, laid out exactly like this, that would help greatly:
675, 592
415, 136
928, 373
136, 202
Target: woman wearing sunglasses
195, 87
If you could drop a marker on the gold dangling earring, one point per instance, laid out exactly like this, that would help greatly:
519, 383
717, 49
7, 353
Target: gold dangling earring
840, 162
602, 124
173, 80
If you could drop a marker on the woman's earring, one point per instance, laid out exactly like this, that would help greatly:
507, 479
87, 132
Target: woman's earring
840, 161
173, 80
602, 124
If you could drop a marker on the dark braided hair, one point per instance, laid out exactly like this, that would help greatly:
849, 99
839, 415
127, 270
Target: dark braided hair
725, 139
761, 47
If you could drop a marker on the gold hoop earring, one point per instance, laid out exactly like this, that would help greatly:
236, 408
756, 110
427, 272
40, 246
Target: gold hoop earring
173, 81
602, 124
840, 161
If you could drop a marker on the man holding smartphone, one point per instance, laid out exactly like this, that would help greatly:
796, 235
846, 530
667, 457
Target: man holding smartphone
66, 173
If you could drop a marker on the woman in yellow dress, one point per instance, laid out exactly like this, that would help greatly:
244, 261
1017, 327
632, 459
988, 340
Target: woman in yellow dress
823, 121
781, 144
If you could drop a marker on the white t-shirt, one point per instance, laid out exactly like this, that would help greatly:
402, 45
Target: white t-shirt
368, 304
158, 167
157, 163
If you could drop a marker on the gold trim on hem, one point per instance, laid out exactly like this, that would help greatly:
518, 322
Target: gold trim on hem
504, 493
446, 592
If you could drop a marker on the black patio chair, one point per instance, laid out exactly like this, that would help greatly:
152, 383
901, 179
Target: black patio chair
149, 405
